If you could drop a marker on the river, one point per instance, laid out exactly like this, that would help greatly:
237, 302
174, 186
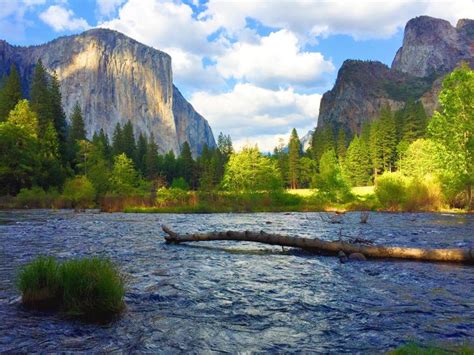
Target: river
243, 297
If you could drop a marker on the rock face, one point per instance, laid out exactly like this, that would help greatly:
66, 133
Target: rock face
431, 48
115, 79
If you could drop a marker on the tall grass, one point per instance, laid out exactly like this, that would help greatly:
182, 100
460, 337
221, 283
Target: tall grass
91, 288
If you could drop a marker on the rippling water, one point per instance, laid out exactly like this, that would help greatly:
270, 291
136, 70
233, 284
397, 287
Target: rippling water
227, 296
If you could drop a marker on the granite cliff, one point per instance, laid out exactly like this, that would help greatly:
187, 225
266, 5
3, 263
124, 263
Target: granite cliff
431, 48
115, 79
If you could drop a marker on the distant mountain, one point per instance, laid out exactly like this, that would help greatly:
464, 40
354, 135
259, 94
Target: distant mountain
115, 79
431, 48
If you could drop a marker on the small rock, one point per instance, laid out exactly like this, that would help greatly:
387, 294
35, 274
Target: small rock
268, 222
342, 257
357, 257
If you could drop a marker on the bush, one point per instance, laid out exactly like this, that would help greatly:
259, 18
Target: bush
423, 195
390, 189
171, 197
36, 197
39, 283
91, 289
80, 192
179, 183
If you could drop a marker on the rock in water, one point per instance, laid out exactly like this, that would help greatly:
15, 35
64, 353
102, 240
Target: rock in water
357, 257
115, 79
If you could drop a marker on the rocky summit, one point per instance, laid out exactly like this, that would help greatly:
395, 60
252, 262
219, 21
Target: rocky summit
116, 79
431, 48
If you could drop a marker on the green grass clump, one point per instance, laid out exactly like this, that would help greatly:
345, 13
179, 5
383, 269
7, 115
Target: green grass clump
91, 288
39, 283
417, 349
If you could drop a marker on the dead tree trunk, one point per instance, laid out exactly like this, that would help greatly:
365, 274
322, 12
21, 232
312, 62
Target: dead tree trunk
329, 248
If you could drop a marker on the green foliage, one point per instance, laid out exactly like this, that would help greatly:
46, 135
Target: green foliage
341, 144
414, 121
180, 183
383, 142
41, 98
39, 283
409, 89
423, 195
23, 117
186, 165
330, 182
249, 170
294, 152
10, 93
307, 171
90, 288
322, 141
80, 192
124, 178
357, 163
77, 132
36, 197
59, 117
453, 129
391, 190
280, 155
224, 144
95, 165
151, 159
174, 196
421, 158
129, 146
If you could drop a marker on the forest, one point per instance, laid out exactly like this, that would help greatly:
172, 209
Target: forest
412, 161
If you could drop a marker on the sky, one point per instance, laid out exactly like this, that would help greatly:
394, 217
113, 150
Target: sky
253, 69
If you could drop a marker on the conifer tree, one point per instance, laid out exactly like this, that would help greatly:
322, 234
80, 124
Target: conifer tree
10, 93
151, 159
341, 144
414, 125
40, 97
186, 163
280, 154
77, 132
140, 155
294, 152
357, 164
117, 140
129, 147
224, 144
58, 115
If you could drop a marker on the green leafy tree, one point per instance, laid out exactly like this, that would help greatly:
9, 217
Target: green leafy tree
452, 127
10, 93
294, 153
41, 97
18, 149
421, 159
330, 182
51, 172
307, 171
249, 170
96, 164
124, 178
80, 192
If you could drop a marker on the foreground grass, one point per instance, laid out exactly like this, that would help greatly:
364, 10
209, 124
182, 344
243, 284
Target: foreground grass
91, 289
417, 349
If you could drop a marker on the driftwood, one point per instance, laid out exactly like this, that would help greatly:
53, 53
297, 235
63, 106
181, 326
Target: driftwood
329, 248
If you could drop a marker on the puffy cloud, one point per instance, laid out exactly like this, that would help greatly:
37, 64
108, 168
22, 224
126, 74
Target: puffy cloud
253, 114
108, 7
61, 19
12, 18
275, 60
360, 19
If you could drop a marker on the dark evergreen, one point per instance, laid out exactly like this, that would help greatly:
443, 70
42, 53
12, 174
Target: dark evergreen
41, 97
10, 93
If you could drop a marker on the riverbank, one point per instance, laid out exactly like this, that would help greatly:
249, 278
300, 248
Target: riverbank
181, 201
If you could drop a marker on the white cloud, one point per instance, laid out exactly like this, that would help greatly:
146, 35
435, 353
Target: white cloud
253, 114
276, 60
108, 7
61, 19
360, 19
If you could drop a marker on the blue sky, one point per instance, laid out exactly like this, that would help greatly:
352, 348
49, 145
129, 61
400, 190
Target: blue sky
254, 69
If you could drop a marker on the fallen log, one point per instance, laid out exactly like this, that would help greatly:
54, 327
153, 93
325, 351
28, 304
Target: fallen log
328, 248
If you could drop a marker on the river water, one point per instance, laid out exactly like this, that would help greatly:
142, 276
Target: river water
243, 297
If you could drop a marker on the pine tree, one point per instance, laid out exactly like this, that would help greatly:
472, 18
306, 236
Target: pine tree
51, 172
151, 159
128, 141
322, 141
414, 125
357, 164
76, 133
383, 141
186, 163
341, 144
58, 115
294, 153
224, 144
170, 166
117, 140
140, 155
40, 97
10, 93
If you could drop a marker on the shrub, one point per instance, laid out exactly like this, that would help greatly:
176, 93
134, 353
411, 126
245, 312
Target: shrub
91, 289
80, 192
32, 198
423, 195
171, 197
179, 183
39, 283
390, 189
